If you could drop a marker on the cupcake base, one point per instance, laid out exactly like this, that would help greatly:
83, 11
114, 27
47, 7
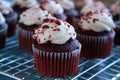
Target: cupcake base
25, 39
96, 45
56, 64
3, 35
11, 20
116, 17
117, 35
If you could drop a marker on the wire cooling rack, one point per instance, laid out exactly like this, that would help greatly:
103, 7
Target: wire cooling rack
16, 64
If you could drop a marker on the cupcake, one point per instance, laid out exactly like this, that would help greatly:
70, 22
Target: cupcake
69, 9
3, 31
22, 5
115, 9
10, 16
29, 20
96, 34
56, 50
117, 35
54, 8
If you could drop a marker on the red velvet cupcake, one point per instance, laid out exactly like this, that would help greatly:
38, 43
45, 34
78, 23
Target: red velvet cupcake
117, 35
56, 50
54, 8
3, 31
96, 34
10, 16
21, 5
29, 20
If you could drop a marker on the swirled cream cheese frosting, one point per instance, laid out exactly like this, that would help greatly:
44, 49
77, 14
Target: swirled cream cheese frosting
52, 6
34, 15
82, 3
97, 21
95, 6
2, 19
5, 7
55, 31
116, 8
67, 4
25, 3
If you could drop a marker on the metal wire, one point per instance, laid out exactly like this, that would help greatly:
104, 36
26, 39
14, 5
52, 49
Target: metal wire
18, 64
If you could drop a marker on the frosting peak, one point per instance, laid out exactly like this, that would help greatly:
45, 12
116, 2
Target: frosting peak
2, 19
33, 16
5, 7
67, 4
52, 6
97, 21
54, 30
95, 6
26, 3
116, 8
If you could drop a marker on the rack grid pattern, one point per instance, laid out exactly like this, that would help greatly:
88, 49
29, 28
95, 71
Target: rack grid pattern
19, 65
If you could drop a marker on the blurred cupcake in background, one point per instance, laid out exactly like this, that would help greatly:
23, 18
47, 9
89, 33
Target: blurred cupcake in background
3, 31
115, 10
55, 48
54, 8
79, 4
69, 9
10, 16
28, 21
22, 5
96, 34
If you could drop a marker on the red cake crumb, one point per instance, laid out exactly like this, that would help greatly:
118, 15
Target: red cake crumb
56, 29
45, 27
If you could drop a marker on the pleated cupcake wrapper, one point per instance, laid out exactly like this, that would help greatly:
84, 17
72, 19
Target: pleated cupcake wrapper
96, 47
3, 35
25, 39
4, 31
53, 64
117, 37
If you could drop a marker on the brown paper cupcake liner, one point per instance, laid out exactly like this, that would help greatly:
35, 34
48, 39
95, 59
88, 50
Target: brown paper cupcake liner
56, 65
3, 35
117, 37
25, 39
96, 46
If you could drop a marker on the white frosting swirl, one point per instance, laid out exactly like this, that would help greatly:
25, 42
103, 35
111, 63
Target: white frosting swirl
33, 15
67, 4
2, 19
82, 3
95, 6
52, 7
54, 30
116, 8
25, 3
97, 21
5, 7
